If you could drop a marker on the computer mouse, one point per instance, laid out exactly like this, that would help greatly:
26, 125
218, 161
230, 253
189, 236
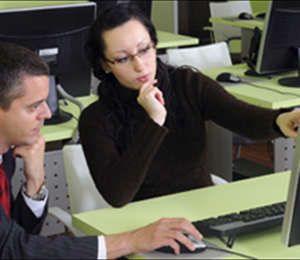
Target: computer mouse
200, 246
245, 16
261, 15
228, 77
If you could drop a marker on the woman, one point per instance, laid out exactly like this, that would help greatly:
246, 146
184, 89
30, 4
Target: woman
146, 135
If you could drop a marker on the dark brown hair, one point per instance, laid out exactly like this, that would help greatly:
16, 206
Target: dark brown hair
15, 63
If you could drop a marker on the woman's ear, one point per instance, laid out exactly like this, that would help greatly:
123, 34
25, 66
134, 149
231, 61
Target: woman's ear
105, 66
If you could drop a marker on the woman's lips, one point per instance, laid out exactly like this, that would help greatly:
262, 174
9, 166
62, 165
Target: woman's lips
144, 78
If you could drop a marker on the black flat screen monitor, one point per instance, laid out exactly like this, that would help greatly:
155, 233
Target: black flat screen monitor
279, 48
103, 4
290, 234
144, 5
57, 34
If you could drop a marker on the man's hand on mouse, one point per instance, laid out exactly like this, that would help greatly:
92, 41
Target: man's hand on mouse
163, 232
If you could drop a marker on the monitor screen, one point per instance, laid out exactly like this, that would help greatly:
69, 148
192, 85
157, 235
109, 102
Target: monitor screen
57, 34
279, 48
145, 6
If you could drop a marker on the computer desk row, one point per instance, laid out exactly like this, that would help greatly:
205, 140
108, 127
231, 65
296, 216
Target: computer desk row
201, 204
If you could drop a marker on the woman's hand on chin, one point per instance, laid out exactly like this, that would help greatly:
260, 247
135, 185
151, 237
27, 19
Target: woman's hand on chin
152, 100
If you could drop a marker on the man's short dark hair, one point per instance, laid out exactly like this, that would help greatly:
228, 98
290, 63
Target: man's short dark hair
16, 62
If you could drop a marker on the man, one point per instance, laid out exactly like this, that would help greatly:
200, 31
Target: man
24, 86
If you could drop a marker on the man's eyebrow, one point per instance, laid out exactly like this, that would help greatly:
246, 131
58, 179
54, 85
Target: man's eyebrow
36, 102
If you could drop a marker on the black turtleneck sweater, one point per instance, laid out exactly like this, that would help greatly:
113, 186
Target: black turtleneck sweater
158, 160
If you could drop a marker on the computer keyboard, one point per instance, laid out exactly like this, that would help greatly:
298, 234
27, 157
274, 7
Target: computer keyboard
247, 220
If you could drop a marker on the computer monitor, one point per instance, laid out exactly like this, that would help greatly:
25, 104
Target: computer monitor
102, 5
145, 6
57, 34
290, 234
279, 48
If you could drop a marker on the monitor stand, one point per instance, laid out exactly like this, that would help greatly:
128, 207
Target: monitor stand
58, 116
292, 81
253, 73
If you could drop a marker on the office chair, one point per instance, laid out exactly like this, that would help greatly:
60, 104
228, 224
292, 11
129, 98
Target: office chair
221, 32
201, 57
83, 193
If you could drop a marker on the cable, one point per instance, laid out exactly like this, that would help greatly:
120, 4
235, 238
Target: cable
274, 90
67, 96
230, 252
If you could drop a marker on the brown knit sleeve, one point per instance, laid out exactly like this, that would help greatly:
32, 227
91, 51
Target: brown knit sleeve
214, 102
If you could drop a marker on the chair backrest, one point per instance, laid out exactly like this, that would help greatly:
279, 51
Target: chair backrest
218, 9
201, 57
83, 193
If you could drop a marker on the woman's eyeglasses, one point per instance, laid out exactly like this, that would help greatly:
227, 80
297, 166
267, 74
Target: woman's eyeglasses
144, 53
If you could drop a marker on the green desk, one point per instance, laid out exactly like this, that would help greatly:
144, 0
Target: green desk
200, 204
247, 27
264, 97
171, 40
233, 21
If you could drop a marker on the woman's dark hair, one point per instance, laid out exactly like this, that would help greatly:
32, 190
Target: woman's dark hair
112, 18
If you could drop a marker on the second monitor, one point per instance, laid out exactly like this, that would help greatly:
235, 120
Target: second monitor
57, 34
279, 48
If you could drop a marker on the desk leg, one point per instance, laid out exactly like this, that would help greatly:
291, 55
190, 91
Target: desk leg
220, 150
283, 154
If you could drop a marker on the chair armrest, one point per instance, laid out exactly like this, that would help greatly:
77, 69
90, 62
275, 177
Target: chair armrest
216, 32
211, 33
208, 28
74, 100
234, 38
217, 180
66, 219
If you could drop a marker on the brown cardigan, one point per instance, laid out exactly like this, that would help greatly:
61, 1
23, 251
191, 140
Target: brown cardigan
160, 161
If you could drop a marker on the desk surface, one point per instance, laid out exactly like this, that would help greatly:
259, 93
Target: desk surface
170, 40
247, 24
264, 96
200, 204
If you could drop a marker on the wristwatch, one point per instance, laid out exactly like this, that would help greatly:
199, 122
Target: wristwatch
37, 197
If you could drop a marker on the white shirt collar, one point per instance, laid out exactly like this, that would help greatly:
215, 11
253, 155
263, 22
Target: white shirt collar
0, 158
